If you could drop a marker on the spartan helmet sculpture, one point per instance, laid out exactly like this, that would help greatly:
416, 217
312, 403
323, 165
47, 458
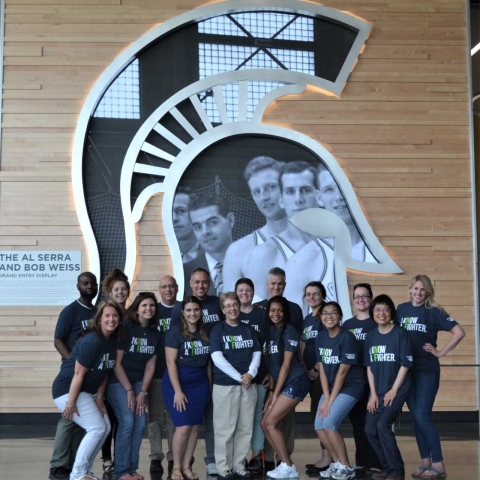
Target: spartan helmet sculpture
197, 79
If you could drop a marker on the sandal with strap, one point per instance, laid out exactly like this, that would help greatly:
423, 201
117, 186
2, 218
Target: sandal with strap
189, 476
421, 469
108, 472
438, 474
176, 474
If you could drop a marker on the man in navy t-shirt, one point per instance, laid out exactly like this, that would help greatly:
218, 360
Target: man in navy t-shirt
72, 321
158, 415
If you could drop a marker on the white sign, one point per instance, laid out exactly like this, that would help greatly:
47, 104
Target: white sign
39, 277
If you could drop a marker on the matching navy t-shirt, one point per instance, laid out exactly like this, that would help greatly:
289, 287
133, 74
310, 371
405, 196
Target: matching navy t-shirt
92, 351
296, 315
291, 341
73, 319
211, 312
139, 346
422, 325
191, 352
385, 353
237, 343
341, 349
360, 328
257, 321
310, 330
164, 313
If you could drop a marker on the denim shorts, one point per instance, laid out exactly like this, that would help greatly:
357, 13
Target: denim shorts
298, 388
338, 411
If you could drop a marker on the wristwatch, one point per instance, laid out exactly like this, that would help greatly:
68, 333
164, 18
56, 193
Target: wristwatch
145, 393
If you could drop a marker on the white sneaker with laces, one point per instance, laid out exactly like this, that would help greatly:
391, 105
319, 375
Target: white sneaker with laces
212, 469
332, 468
344, 472
279, 472
291, 472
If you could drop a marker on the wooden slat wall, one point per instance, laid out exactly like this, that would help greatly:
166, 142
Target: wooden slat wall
400, 130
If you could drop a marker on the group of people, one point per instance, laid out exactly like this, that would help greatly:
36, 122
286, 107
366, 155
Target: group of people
241, 369
204, 228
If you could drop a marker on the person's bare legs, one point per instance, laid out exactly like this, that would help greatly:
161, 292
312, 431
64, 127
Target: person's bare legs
188, 455
282, 406
322, 436
179, 446
338, 445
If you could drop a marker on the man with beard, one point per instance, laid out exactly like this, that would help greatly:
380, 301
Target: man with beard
262, 175
73, 319
187, 241
298, 192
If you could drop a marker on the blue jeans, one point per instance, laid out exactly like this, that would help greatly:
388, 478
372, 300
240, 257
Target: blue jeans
338, 411
378, 427
420, 403
129, 431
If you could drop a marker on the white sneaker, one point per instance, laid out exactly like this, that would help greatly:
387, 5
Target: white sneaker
277, 472
332, 468
291, 472
212, 469
284, 471
344, 472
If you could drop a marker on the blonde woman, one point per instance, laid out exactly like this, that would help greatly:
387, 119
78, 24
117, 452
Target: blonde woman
423, 318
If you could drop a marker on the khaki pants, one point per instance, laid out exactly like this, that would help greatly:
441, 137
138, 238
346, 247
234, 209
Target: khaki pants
158, 417
233, 414
67, 439
287, 427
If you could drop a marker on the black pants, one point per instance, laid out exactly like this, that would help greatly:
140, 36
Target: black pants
364, 453
315, 395
378, 427
107, 445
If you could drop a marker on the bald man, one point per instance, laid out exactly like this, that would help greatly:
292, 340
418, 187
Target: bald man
158, 415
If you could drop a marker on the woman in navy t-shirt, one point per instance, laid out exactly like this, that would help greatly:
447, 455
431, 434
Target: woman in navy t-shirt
314, 294
287, 375
343, 382
78, 390
187, 382
422, 318
117, 287
254, 317
360, 325
388, 356
128, 386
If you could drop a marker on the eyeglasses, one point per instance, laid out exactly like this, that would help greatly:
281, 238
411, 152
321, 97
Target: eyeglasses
330, 314
312, 295
233, 305
361, 297
382, 310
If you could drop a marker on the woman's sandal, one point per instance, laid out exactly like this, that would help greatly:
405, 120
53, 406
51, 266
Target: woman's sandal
189, 476
438, 474
418, 472
108, 472
176, 474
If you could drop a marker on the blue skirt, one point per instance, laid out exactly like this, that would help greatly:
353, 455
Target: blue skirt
196, 387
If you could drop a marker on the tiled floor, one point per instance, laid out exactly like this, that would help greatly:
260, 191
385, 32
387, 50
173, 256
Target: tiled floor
25, 453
